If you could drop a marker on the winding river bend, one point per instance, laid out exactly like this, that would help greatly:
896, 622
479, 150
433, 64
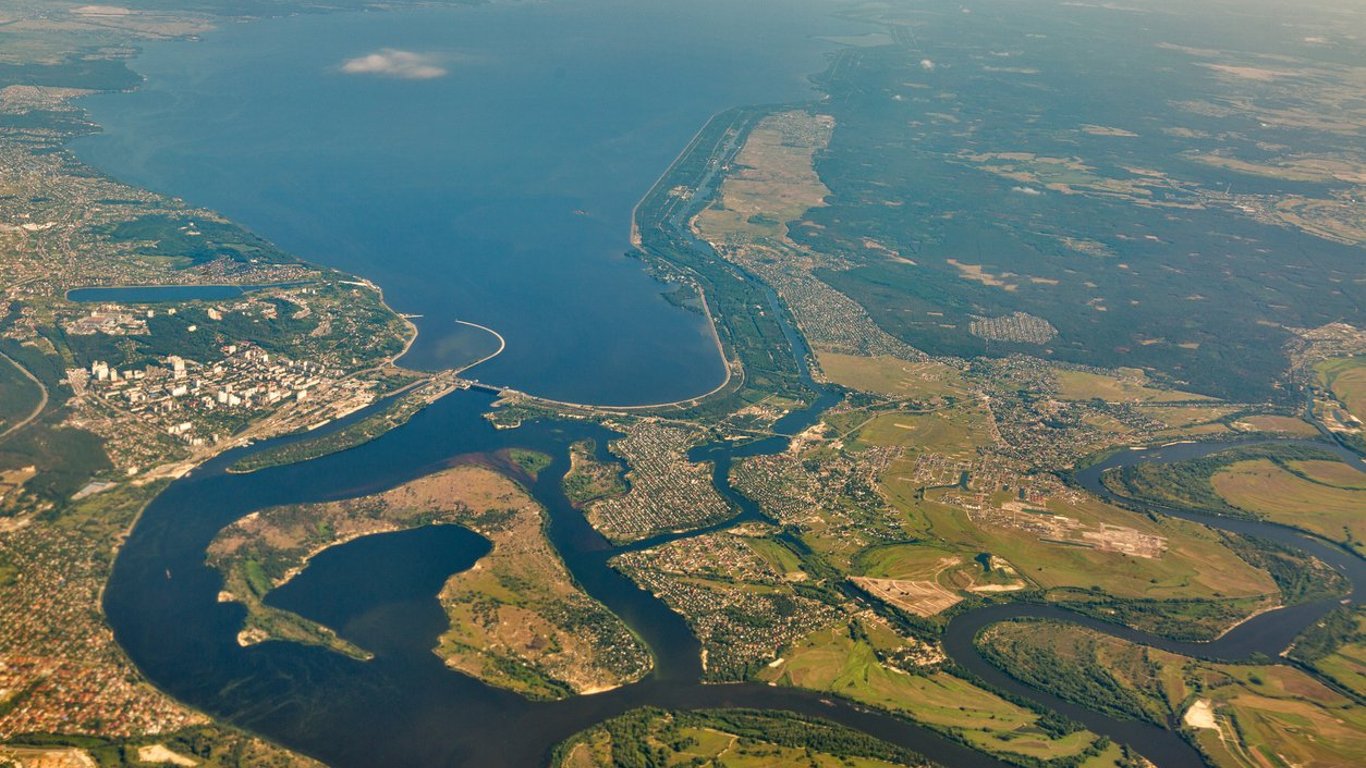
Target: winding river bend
405, 707
1268, 634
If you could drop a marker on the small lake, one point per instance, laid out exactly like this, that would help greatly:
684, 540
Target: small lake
154, 294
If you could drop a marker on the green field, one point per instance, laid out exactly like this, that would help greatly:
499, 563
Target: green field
1130, 387
1238, 715
845, 661
1303, 487
778, 555
956, 432
959, 571
1346, 377
1196, 563
890, 377
1326, 498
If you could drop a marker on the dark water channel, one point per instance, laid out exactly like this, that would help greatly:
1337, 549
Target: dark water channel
404, 707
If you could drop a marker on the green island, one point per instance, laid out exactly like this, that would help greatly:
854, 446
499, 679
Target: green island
735, 737
517, 619
529, 463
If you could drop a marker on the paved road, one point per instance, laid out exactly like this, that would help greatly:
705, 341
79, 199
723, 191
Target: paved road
42, 401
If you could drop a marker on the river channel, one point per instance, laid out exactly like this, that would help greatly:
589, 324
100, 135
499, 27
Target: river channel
405, 707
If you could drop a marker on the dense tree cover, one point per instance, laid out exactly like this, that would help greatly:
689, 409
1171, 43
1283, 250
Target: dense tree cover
1070, 679
1192, 620
650, 737
193, 239
920, 173
76, 71
1301, 577
1336, 629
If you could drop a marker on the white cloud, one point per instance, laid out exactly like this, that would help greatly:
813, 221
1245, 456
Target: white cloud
391, 62
1026, 190
927, 65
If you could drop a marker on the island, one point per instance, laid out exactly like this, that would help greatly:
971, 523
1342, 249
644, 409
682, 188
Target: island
517, 618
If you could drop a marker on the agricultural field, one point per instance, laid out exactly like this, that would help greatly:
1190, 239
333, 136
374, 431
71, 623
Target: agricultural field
892, 377
1289, 425
1187, 420
1335, 473
1303, 487
957, 432
846, 661
1238, 715
1194, 564
1187, 483
1328, 498
775, 183
1346, 379
1130, 385
979, 509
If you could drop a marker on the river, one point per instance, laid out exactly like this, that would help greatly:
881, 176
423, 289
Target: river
1267, 634
405, 707
537, 255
